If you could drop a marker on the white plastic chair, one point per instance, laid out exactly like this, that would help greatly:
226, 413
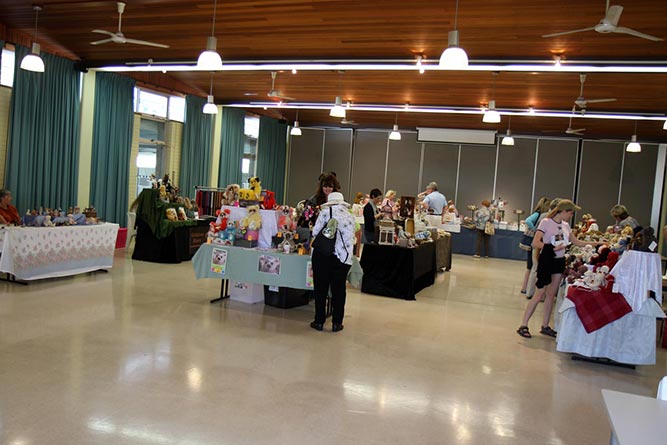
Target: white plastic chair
662, 389
131, 229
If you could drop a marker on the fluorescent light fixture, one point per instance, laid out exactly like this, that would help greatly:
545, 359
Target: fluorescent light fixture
295, 131
664, 126
294, 71
395, 135
508, 139
443, 109
210, 107
633, 146
491, 116
531, 110
588, 66
337, 110
32, 61
454, 57
209, 59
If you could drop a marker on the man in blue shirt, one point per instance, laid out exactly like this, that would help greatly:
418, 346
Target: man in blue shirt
434, 201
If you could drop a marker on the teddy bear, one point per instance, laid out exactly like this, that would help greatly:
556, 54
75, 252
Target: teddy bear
285, 221
230, 196
181, 214
287, 245
253, 220
269, 201
256, 187
229, 234
171, 214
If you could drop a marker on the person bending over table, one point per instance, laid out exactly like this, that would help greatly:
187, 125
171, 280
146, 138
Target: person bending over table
553, 235
330, 271
434, 201
8, 213
372, 214
623, 219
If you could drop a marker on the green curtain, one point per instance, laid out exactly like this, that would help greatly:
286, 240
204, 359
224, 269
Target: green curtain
231, 146
113, 119
271, 155
43, 141
196, 147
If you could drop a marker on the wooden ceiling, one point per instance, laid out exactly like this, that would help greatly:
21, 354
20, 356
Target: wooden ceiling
262, 30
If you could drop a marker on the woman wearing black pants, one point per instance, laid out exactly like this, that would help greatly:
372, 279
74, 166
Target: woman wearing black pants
330, 271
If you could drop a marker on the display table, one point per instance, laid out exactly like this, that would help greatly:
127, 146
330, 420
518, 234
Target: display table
180, 245
504, 244
630, 339
635, 420
398, 272
241, 264
33, 253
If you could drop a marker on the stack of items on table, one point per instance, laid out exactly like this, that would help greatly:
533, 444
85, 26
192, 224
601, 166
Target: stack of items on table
57, 217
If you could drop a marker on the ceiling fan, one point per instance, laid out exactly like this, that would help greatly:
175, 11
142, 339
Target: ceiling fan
609, 24
275, 94
582, 102
570, 130
348, 122
119, 37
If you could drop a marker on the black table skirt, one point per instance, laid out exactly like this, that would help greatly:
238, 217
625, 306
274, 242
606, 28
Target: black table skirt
180, 246
504, 244
397, 272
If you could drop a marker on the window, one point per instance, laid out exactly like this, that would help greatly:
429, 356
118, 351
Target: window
251, 131
7, 68
152, 103
151, 157
158, 104
177, 108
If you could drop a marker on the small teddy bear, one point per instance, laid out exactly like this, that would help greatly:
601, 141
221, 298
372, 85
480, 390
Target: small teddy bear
287, 245
253, 220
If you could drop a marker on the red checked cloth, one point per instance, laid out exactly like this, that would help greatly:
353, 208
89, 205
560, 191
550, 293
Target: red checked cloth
597, 308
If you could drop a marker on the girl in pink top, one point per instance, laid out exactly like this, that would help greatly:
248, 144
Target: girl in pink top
552, 238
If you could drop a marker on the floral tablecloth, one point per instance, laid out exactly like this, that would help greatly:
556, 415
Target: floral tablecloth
31, 253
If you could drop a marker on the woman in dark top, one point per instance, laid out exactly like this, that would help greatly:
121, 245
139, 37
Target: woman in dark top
372, 214
327, 184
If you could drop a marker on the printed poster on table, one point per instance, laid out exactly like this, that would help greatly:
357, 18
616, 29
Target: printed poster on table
269, 264
309, 275
219, 261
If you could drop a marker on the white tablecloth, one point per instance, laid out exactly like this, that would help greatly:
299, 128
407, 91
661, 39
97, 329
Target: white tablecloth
269, 223
32, 253
637, 273
630, 339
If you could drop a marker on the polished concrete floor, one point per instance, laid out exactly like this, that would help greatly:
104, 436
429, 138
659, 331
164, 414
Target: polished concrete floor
139, 356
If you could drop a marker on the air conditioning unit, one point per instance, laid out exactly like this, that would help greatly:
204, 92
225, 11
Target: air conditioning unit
479, 137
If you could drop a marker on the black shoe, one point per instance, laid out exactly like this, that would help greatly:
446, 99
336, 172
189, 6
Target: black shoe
546, 330
336, 327
317, 326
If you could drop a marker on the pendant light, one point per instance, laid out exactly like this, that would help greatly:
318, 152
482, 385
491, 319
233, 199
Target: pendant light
633, 146
296, 131
210, 107
508, 139
337, 110
209, 59
395, 135
454, 57
32, 61
491, 116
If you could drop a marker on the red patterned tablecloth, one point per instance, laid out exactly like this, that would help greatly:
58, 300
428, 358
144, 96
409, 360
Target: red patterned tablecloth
597, 308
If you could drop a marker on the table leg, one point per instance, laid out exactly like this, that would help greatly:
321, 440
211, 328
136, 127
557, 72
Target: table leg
11, 278
224, 291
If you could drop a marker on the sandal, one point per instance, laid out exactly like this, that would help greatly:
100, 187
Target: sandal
524, 332
546, 330
523, 291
